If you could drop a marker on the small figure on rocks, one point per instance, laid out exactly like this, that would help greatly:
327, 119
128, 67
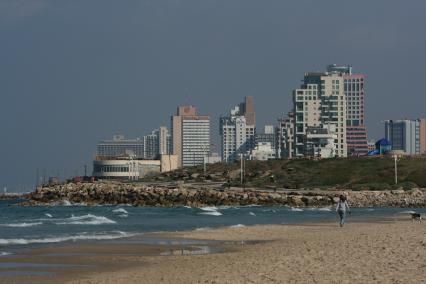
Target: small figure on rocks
341, 209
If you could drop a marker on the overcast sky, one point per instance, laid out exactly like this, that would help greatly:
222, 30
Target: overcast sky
75, 72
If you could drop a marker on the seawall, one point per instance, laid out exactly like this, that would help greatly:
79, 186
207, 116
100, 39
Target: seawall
203, 195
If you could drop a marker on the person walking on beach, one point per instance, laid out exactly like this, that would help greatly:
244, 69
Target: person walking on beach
341, 208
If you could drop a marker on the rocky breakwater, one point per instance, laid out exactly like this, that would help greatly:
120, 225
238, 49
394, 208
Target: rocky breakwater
148, 195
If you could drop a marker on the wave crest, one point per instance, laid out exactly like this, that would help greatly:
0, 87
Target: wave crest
82, 236
22, 225
120, 210
88, 219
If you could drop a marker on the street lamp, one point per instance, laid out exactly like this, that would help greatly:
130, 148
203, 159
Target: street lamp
395, 156
242, 170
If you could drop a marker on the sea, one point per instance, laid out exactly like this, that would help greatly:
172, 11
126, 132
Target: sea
28, 227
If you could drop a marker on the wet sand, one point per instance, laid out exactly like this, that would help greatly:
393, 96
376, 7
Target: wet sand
382, 252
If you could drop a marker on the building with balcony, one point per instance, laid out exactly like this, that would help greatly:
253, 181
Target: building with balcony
320, 102
238, 130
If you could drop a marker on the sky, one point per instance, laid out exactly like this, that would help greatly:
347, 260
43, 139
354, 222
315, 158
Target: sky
76, 72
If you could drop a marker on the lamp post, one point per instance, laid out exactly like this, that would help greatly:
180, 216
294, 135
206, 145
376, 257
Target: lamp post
242, 171
396, 168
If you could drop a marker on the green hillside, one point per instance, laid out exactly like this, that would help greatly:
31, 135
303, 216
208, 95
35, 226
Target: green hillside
356, 173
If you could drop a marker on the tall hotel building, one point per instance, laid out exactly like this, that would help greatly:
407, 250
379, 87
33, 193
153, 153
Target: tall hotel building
119, 146
190, 136
320, 105
238, 130
356, 133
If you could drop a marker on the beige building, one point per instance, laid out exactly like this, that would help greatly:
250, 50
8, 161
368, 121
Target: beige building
320, 102
190, 136
169, 163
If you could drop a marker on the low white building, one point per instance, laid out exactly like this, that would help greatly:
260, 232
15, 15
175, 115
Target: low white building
319, 142
127, 168
262, 152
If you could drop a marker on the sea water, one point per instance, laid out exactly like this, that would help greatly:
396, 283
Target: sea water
26, 227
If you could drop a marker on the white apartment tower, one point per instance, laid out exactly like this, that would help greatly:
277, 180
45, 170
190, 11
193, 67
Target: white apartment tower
191, 136
320, 102
238, 131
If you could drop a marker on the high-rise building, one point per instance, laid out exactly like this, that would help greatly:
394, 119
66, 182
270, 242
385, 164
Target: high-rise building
407, 135
356, 132
119, 146
238, 131
190, 136
285, 137
156, 143
320, 102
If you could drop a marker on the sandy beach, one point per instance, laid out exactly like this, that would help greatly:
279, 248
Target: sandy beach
381, 252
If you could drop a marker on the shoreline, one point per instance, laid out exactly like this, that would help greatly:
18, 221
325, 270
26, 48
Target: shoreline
126, 262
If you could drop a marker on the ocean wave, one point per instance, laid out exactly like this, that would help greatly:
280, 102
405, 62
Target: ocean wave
203, 229
120, 210
252, 214
82, 236
209, 208
88, 219
224, 207
296, 209
237, 226
407, 212
123, 216
22, 225
270, 210
48, 215
4, 253
189, 207
212, 213
328, 209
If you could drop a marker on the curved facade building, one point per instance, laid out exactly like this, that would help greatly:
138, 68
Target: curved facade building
125, 168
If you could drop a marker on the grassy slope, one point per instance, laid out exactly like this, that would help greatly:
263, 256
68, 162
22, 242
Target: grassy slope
356, 173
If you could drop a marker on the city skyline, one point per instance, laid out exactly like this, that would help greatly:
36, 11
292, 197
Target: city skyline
69, 79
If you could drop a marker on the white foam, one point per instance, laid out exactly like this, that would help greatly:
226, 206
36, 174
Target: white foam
252, 214
3, 253
83, 236
120, 210
203, 229
123, 216
328, 209
48, 215
237, 226
66, 203
407, 212
88, 219
224, 207
22, 225
296, 209
209, 208
212, 213
189, 207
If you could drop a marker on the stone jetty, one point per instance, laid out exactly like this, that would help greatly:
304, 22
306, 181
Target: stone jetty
138, 194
